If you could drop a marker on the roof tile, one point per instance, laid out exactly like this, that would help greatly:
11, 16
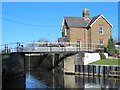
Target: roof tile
79, 21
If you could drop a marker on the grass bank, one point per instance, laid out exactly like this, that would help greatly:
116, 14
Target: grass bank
107, 62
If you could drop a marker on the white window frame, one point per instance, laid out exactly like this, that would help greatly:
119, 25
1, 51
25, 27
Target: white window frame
101, 31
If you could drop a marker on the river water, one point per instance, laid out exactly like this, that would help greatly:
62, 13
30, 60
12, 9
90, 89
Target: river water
46, 79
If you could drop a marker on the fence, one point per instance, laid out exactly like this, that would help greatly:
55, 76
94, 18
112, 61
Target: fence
96, 70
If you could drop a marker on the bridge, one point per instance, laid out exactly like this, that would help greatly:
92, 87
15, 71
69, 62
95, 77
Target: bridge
47, 47
58, 51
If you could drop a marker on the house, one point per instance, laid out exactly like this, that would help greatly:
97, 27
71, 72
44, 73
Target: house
85, 30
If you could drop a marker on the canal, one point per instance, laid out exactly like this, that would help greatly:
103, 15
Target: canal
46, 79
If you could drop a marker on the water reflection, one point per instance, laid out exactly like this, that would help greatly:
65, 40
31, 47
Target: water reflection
34, 82
59, 80
17, 83
45, 79
49, 79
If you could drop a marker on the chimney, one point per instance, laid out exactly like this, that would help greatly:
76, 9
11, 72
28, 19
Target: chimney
85, 13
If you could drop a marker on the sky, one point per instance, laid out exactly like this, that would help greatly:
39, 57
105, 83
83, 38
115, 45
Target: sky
31, 21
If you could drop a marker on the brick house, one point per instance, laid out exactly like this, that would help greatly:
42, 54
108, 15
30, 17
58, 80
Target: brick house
86, 30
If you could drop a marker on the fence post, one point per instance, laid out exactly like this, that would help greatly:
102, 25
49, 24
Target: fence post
115, 68
104, 71
98, 70
83, 69
75, 68
109, 68
79, 68
93, 70
88, 70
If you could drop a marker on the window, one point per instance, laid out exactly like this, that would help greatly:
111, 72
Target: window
101, 30
78, 43
65, 32
101, 42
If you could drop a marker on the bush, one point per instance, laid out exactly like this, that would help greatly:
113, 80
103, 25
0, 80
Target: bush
102, 56
116, 51
111, 46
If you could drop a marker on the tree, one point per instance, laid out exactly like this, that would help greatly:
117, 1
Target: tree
111, 46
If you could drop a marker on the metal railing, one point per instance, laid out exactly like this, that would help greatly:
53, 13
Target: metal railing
47, 47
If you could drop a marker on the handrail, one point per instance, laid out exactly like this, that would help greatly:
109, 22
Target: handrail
19, 45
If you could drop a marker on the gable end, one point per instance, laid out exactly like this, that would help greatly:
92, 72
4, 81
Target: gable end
104, 18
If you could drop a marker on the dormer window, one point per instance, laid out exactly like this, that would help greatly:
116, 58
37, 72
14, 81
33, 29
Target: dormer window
101, 32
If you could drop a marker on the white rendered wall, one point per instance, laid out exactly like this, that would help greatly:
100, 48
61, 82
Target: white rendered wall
92, 57
106, 55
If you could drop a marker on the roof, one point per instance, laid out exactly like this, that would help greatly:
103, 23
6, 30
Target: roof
92, 20
75, 21
82, 22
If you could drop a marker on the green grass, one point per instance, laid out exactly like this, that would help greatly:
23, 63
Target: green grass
107, 62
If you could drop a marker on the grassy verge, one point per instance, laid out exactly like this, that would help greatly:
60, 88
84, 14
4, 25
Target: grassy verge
107, 62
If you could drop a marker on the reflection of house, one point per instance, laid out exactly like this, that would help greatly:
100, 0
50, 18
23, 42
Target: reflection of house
86, 30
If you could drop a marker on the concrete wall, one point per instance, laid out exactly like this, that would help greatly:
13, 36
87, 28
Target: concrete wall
92, 57
106, 55
70, 62
69, 65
